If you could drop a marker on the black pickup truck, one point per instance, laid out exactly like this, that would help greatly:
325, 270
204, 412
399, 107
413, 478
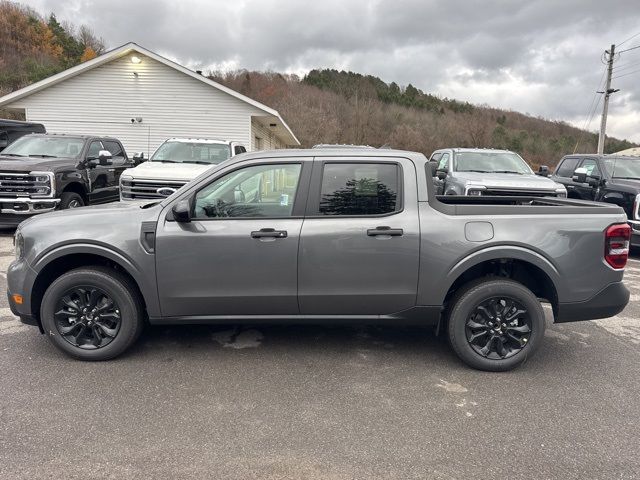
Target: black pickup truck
41, 173
604, 178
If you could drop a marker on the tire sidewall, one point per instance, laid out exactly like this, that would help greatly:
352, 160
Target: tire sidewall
114, 287
68, 197
470, 298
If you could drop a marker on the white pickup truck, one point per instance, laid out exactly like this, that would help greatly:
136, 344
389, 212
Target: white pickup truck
175, 163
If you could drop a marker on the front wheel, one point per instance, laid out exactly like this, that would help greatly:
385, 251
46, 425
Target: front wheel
495, 324
92, 313
70, 200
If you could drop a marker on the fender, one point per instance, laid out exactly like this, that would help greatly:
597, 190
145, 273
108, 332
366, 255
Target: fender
613, 197
494, 253
140, 276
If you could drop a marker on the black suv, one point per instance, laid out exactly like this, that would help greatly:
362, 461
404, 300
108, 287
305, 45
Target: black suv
11, 130
41, 173
604, 178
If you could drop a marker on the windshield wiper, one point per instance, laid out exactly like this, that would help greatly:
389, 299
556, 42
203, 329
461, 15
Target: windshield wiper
507, 171
11, 155
629, 178
165, 161
475, 171
199, 162
42, 155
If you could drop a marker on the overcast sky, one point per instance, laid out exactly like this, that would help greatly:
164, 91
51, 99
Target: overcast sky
541, 57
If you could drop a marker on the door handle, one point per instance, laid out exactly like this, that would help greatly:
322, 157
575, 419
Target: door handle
391, 232
269, 233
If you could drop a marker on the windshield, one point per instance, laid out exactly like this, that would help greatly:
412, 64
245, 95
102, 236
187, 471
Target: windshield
45, 147
623, 167
192, 152
491, 162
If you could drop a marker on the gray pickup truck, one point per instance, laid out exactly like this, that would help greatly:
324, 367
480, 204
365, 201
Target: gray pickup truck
481, 171
349, 236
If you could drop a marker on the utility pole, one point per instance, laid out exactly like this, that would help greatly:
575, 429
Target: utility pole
607, 92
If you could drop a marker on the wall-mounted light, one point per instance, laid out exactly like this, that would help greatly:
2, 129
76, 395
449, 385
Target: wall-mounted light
273, 125
135, 60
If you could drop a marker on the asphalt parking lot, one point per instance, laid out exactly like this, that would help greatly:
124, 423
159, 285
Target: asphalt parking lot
319, 402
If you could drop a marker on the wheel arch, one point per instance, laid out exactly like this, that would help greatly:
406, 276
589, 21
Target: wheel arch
77, 187
525, 266
64, 259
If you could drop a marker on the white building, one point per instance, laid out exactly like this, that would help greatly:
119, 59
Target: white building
142, 99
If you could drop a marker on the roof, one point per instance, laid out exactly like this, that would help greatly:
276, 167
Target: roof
198, 140
17, 123
125, 50
634, 152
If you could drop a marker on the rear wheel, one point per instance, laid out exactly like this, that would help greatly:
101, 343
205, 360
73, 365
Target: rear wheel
91, 314
495, 324
70, 200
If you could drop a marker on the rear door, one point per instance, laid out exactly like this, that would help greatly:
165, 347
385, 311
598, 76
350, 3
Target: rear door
359, 245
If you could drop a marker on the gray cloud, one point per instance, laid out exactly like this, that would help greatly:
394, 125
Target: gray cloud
540, 57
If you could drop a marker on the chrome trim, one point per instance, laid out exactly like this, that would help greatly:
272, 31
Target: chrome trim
636, 204
30, 183
30, 202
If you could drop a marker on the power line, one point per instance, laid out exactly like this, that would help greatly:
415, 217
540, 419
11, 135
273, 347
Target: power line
629, 49
625, 66
625, 41
625, 74
591, 110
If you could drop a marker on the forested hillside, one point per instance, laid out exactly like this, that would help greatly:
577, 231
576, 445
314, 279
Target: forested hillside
326, 106
33, 47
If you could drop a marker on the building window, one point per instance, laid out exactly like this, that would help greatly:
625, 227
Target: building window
257, 143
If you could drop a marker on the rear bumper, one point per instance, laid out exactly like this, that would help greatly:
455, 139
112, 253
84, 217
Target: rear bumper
610, 301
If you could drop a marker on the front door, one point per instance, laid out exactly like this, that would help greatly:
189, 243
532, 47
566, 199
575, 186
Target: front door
239, 254
101, 177
119, 163
359, 247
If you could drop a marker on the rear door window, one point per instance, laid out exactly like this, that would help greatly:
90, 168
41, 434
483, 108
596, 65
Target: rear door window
360, 189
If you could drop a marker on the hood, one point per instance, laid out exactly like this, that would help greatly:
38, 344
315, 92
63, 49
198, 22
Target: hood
508, 180
31, 164
631, 186
166, 171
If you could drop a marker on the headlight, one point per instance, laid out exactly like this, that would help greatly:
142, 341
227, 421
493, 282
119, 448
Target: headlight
561, 192
18, 243
474, 190
43, 185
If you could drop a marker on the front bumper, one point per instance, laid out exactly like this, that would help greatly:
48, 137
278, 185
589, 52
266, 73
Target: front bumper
610, 301
15, 210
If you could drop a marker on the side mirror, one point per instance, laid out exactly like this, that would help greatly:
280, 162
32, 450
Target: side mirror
593, 181
543, 171
138, 158
580, 175
238, 196
3, 143
104, 157
182, 211
441, 174
434, 168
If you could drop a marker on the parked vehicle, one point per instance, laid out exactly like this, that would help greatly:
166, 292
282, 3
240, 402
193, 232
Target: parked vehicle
604, 178
41, 173
321, 236
474, 171
11, 130
175, 163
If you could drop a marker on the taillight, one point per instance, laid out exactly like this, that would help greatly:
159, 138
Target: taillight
616, 245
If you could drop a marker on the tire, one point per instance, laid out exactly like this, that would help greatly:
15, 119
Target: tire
116, 327
70, 200
480, 303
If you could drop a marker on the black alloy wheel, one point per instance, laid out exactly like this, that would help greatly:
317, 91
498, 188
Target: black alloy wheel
498, 328
495, 324
87, 317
